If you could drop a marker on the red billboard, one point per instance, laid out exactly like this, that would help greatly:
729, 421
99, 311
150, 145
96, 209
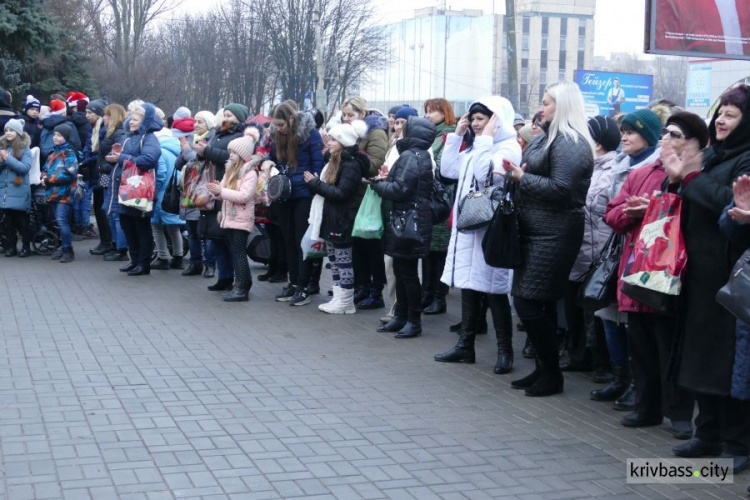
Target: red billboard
715, 28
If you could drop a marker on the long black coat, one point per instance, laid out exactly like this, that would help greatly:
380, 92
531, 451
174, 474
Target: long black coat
409, 186
550, 214
341, 197
707, 346
217, 151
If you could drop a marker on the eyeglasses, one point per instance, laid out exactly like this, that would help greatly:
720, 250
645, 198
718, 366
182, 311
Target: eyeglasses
673, 134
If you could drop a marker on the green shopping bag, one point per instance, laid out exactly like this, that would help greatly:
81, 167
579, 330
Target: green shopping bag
369, 221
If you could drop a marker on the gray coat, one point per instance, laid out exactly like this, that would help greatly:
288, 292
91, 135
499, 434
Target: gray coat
12, 196
596, 232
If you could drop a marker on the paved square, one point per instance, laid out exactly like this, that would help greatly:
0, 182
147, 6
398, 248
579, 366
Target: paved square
153, 388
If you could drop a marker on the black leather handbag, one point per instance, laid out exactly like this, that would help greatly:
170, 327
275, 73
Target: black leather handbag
170, 203
735, 295
441, 201
403, 225
600, 283
501, 243
208, 225
279, 186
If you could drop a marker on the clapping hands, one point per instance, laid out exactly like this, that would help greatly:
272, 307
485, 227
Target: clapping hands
741, 210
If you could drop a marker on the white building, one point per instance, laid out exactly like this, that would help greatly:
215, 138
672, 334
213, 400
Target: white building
461, 55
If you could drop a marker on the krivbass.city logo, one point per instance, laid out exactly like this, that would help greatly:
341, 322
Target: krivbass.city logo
678, 470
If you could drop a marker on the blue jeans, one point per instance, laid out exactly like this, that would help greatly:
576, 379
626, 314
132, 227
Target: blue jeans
82, 209
118, 237
62, 211
617, 342
209, 254
224, 260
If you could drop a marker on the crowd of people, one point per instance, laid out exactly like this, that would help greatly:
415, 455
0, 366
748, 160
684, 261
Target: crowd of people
581, 185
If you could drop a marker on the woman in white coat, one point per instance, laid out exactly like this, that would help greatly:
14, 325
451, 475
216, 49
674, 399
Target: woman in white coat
491, 139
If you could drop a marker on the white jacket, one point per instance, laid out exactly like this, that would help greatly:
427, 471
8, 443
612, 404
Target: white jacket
465, 266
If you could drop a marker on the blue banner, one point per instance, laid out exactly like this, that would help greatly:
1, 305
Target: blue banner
609, 94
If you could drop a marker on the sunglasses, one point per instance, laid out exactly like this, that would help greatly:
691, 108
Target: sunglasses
673, 134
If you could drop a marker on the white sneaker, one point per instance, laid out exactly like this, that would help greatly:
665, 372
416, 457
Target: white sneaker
333, 303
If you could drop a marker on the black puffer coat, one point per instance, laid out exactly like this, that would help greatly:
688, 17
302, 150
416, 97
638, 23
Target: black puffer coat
217, 150
341, 198
550, 215
707, 346
408, 187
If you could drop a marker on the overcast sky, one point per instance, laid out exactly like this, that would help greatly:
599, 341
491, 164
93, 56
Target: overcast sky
618, 28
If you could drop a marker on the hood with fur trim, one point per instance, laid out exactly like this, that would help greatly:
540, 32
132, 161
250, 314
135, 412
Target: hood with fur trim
151, 121
25, 142
376, 121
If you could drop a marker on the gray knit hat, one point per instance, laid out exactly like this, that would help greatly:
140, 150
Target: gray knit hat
15, 125
182, 112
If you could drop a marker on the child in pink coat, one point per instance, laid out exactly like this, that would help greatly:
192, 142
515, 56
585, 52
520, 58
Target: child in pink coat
237, 215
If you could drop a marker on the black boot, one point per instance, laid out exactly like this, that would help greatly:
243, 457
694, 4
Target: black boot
462, 352
616, 388
427, 299
313, 285
193, 269
373, 301
410, 330
360, 293
67, 256
160, 264
528, 380
240, 293
626, 402
528, 349
176, 263
101, 249
437, 306
128, 267
544, 337
504, 362
482, 327
393, 325
455, 328
221, 285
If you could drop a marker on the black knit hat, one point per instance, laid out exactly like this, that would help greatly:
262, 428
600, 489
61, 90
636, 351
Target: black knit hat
605, 131
64, 130
478, 107
97, 106
691, 125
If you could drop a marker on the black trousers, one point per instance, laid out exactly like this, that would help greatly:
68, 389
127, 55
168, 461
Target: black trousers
726, 420
238, 246
540, 319
17, 222
140, 240
369, 264
651, 338
585, 335
293, 215
408, 289
499, 305
277, 262
432, 270
102, 223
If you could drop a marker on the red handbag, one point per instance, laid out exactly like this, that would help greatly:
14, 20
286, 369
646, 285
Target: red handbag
655, 269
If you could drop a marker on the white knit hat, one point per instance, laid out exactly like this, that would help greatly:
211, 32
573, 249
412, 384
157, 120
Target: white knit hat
207, 117
344, 134
243, 146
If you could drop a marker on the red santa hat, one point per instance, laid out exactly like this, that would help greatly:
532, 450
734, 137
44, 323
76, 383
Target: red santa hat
77, 99
56, 107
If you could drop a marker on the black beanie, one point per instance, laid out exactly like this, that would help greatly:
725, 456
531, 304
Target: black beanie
478, 107
97, 106
64, 130
691, 125
605, 131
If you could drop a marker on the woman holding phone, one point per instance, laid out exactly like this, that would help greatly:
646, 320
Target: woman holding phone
491, 140
552, 185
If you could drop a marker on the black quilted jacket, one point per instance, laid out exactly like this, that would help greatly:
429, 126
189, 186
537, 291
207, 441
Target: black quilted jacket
408, 186
551, 218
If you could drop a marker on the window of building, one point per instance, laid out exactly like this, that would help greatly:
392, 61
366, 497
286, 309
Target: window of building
525, 54
561, 76
580, 59
543, 76
564, 26
525, 63
526, 24
543, 60
545, 25
563, 40
524, 75
563, 56
525, 41
544, 42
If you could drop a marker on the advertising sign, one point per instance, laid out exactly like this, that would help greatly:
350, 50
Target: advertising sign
715, 28
699, 86
609, 94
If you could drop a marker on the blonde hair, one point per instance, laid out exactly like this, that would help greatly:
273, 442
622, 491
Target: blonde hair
358, 104
332, 169
117, 115
232, 172
570, 117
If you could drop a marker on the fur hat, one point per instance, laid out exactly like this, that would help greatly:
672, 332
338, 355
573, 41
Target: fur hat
56, 107
240, 111
31, 102
64, 130
97, 106
15, 125
207, 117
244, 146
691, 125
405, 112
645, 122
604, 131
344, 134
